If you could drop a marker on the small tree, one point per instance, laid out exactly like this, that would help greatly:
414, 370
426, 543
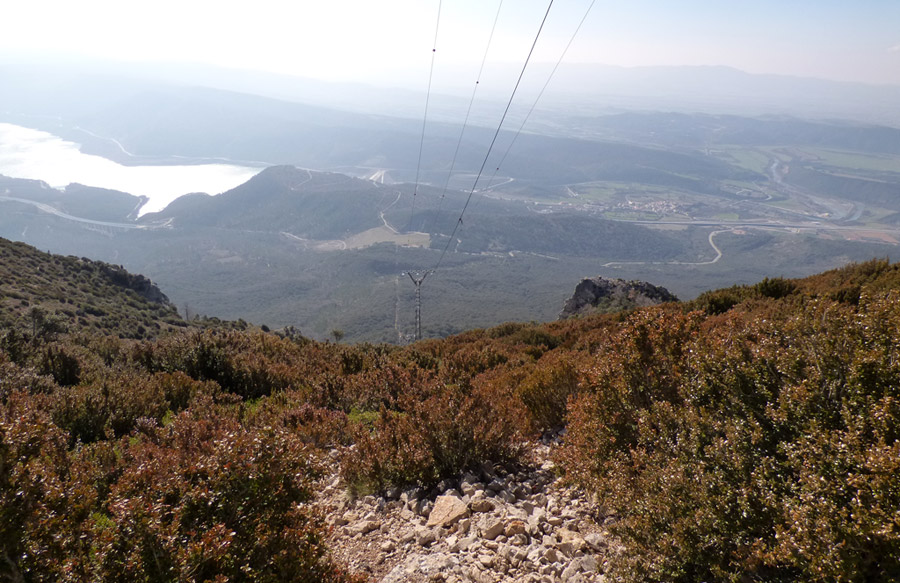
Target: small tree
44, 325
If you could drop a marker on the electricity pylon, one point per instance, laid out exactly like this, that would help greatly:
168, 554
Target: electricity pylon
417, 279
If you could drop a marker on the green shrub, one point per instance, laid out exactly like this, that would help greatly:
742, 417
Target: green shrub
61, 362
110, 407
775, 288
545, 392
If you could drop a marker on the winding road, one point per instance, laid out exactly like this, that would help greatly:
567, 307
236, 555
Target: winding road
54, 211
710, 262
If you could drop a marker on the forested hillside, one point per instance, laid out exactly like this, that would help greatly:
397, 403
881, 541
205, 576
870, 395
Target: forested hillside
749, 435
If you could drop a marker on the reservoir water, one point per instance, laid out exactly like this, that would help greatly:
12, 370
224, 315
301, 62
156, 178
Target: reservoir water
38, 155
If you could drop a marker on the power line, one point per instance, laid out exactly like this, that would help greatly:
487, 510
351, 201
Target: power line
437, 28
412, 211
494, 140
469, 110
540, 94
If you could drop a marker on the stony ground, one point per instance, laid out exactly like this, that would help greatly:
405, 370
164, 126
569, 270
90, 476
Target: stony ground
494, 526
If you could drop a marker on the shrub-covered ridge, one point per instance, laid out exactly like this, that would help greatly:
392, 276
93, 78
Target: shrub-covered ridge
750, 435
46, 294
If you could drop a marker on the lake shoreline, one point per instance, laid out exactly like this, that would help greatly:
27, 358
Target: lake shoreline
61, 156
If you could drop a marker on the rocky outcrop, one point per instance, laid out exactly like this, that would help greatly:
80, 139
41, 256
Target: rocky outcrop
490, 526
602, 295
135, 282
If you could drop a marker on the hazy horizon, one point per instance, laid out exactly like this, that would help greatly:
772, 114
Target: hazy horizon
391, 43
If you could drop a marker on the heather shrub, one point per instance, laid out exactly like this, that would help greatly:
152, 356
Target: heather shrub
449, 432
317, 426
15, 344
112, 405
545, 391
372, 388
720, 301
250, 365
14, 379
205, 500
838, 520
765, 451
775, 288
45, 495
473, 358
534, 340
108, 407
61, 362
179, 390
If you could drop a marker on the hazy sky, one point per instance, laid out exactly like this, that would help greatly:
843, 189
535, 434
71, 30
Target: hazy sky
369, 40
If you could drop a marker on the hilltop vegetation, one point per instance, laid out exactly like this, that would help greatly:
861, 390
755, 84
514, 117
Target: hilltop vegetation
314, 205
752, 434
51, 294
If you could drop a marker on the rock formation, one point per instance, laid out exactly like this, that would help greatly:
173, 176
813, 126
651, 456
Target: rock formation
602, 295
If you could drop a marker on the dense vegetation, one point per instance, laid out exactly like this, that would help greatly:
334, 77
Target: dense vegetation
749, 435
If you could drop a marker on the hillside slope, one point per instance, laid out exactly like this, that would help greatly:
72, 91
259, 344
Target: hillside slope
751, 434
79, 294
313, 205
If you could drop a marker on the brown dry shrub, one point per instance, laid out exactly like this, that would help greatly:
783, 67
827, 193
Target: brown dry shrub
449, 432
207, 500
764, 449
46, 495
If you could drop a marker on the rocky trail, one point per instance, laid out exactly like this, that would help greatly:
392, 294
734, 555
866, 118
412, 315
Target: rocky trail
495, 526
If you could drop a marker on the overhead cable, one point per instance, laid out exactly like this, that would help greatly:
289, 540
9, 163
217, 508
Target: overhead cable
538, 98
494, 140
468, 111
437, 28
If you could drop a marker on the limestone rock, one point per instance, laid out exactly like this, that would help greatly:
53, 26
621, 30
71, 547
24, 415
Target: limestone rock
365, 527
588, 564
482, 505
500, 526
595, 541
492, 529
447, 511
425, 536
514, 527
